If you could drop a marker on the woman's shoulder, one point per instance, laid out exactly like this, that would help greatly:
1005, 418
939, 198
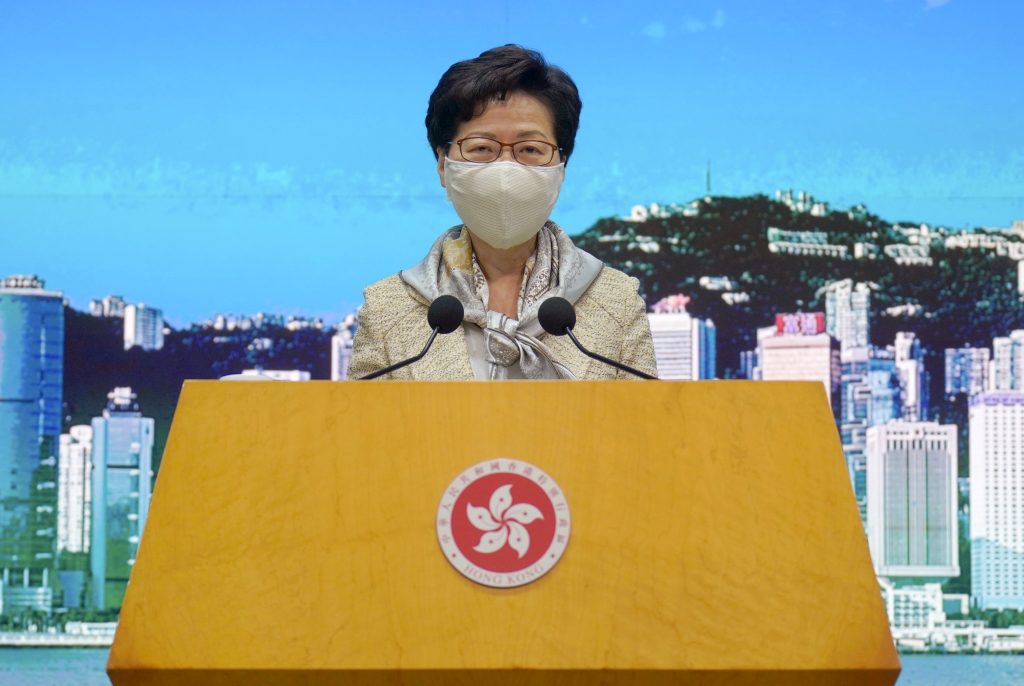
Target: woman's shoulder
611, 279
387, 302
387, 289
613, 291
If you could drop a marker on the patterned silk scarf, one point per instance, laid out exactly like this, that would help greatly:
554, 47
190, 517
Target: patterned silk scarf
557, 268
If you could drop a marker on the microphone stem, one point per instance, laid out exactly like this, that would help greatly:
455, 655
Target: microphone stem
602, 358
398, 365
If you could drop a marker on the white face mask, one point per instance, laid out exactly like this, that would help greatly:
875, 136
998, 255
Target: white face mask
503, 203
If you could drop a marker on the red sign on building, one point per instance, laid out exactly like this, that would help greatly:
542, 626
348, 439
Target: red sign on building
800, 323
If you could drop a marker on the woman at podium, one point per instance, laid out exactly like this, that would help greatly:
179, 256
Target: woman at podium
502, 127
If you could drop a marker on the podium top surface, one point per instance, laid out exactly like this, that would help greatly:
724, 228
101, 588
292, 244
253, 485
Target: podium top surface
293, 526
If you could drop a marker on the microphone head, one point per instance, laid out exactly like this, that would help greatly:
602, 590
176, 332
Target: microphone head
445, 313
557, 316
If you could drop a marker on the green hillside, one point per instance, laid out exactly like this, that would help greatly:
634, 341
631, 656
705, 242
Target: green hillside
965, 297
95, 362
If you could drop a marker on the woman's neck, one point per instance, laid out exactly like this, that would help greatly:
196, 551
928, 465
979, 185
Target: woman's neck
503, 269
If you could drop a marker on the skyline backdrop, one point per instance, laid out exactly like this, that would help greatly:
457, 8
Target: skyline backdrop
244, 157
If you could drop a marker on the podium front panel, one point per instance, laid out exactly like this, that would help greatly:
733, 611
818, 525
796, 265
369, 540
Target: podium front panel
292, 539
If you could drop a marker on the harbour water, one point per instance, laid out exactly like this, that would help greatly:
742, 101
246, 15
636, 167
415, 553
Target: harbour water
85, 667
53, 666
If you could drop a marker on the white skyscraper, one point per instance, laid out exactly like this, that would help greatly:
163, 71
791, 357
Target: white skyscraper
1007, 372
341, 348
74, 490
912, 506
997, 499
847, 313
684, 346
143, 327
913, 379
801, 357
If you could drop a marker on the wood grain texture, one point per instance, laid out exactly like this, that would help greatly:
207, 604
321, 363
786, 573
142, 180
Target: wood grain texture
291, 539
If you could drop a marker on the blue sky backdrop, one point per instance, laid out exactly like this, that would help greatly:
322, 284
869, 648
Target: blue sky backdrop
209, 157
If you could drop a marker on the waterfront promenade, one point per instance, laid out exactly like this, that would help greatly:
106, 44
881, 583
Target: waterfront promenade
965, 640
86, 667
75, 635
969, 637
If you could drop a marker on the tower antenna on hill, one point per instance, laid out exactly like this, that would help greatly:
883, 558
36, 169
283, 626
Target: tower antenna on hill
707, 179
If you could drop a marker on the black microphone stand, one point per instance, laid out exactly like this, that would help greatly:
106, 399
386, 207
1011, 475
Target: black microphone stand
399, 365
557, 316
443, 316
602, 358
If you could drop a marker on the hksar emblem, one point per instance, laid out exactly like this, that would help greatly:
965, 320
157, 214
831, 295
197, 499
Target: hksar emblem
503, 523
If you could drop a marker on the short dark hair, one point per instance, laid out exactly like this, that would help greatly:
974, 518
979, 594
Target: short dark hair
466, 88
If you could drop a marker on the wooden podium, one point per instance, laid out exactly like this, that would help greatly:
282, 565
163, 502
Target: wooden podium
292, 539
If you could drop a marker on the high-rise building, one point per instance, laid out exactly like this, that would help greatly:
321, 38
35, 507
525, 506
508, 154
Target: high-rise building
31, 390
74, 490
804, 356
913, 607
749, 366
913, 378
1007, 371
74, 513
870, 396
750, 360
143, 327
110, 306
341, 352
997, 499
122, 456
847, 313
966, 370
341, 348
912, 507
684, 346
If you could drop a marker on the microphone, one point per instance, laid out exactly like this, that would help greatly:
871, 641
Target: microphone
558, 318
444, 316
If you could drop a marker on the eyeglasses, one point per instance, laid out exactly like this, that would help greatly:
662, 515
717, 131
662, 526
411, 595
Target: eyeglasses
530, 153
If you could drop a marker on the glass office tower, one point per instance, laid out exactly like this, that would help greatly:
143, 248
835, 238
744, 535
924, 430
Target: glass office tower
122, 474
31, 388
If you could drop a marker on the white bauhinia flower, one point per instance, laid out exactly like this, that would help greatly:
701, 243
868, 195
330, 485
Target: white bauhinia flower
481, 518
503, 522
518, 538
492, 541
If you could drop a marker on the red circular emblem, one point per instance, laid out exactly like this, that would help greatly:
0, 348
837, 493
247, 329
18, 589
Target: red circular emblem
503, 523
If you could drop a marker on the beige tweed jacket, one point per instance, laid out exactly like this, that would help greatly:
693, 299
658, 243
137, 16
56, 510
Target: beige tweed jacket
611, 320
